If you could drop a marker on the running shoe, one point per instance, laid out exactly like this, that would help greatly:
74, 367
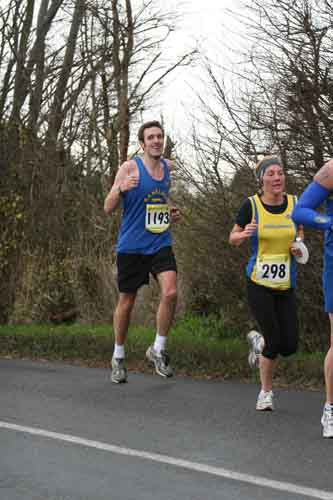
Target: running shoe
265, 401
118, 371
160, 361
256, 343
327, 422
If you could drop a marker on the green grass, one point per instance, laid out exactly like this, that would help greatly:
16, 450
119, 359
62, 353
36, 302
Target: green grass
199, 347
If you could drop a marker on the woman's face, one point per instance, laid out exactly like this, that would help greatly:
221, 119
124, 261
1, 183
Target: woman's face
274, 180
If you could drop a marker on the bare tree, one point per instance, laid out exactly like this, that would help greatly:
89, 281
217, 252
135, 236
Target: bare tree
292, 79
56, 115
76, 76
278, 100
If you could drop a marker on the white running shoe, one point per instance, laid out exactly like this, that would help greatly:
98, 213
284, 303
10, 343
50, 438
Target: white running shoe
118, 371
265, 401
161, 362
256, 343
327, 421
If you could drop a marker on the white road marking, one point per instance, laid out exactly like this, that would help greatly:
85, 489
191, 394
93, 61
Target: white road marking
176, 462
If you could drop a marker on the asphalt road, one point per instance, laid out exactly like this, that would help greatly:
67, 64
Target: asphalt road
67, 433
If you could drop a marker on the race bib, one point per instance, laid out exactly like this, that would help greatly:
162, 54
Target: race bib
273, 269
157, 218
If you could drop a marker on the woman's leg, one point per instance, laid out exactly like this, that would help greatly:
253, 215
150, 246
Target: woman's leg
262, 303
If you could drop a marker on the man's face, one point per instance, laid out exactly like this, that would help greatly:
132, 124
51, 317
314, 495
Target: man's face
153, 141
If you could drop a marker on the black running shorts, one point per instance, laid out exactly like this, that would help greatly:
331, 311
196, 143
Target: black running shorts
134, 269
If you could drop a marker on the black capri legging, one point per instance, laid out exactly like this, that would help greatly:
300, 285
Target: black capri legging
276, 315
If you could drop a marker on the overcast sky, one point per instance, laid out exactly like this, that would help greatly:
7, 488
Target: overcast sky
210, 26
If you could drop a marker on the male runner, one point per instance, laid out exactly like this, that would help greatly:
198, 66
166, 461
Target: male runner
144, 245
318, 192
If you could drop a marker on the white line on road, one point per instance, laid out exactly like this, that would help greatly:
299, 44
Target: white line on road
176, 462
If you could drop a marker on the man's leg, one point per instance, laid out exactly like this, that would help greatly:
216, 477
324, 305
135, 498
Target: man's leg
168, 300
328, 368
122, 316
327, 418
121, 321
164, 317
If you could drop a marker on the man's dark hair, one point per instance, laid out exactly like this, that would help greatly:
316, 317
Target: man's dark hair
152, 123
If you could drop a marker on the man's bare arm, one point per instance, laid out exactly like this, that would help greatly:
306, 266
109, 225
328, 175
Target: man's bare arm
126, 179
324, 176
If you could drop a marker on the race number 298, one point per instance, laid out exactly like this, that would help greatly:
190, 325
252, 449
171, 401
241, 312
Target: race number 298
277, 271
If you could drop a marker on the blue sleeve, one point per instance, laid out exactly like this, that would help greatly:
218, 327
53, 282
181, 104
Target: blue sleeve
305, 213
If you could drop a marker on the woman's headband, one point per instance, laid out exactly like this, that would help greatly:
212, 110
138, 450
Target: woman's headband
267, 163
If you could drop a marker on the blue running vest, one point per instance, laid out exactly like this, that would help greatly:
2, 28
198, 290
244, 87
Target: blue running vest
329, 233
328, 259
146, 206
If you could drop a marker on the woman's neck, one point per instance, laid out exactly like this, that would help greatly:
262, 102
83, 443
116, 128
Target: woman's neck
272, 198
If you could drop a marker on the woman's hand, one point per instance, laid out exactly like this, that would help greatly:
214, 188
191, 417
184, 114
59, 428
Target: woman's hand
238, 234
295, 251
249, 229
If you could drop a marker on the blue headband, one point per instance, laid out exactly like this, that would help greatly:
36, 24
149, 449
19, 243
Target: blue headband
267, 163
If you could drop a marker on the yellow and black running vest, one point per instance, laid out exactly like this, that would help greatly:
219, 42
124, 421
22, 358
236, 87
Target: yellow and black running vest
271, 263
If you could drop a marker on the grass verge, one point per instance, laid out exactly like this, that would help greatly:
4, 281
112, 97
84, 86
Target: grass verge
199, 347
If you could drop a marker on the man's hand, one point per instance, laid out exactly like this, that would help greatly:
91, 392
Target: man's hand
175, 214
130, 181
127, 178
